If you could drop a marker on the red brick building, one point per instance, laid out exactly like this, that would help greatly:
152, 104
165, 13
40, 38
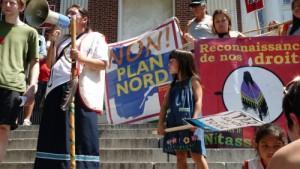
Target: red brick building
104, 15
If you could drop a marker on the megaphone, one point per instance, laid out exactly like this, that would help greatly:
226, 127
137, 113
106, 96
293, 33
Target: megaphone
37, 12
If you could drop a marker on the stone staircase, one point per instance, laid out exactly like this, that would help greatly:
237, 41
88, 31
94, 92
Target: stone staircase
121, 147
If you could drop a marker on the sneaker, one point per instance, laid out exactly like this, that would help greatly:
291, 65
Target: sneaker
26, 122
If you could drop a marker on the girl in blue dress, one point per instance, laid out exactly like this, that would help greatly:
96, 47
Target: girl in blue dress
183, 100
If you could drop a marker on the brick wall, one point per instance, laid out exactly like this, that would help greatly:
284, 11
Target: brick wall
104, 17
183, 12
56, 3
239, 15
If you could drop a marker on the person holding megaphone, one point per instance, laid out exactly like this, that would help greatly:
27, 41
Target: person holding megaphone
18, 48
91, 56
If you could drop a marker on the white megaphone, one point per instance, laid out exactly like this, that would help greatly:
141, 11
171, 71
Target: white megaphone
37, 12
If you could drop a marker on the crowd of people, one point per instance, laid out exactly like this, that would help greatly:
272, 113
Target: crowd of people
47, 91
19, 47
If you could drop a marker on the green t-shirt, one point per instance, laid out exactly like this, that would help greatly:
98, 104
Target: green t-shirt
18, 46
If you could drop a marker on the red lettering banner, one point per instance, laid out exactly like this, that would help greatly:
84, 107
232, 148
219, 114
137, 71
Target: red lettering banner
246, 74
252, 5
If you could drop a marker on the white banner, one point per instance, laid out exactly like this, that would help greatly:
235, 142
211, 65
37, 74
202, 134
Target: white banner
225, 121
139, 68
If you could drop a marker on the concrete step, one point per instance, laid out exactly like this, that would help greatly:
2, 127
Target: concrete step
142, 155
108, 133
136, 165
126, 146
143, 142
102, 126
156, 155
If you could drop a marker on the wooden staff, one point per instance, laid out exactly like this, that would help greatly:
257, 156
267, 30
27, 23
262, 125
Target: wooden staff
266, 27
178, 128
72, 105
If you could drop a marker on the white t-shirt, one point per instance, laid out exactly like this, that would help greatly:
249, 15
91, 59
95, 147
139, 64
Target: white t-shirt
232, 34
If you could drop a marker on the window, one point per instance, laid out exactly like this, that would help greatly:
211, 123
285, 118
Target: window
139, 16
285, 2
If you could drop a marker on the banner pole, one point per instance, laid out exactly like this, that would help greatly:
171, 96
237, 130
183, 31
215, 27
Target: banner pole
178, 128
266, 27
72, 105
257, 22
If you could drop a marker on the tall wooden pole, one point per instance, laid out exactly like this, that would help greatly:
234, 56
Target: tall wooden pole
257, 22
72, 105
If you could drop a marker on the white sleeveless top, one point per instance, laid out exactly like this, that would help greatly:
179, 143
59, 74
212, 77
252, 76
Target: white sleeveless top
232, 34
201, 29
91, 82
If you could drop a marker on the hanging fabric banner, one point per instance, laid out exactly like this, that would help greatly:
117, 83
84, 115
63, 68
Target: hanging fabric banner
138, 74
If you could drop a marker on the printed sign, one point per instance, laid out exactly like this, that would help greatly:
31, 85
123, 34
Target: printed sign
245, 74
225, 121
252, 5
139, 74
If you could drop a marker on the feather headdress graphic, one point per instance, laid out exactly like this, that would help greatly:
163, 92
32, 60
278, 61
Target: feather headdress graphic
252, 96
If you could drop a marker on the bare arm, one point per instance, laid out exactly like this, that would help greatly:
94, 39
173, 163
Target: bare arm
97, 56
186, 35
51, 54
275, 163
197, 90
162, 115
287, 156
32, 88
92, 63
53, 36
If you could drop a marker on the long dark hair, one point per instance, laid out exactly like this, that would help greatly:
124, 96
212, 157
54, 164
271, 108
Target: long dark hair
186, 64
225, 13
291, 100
296, 21
270, 129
